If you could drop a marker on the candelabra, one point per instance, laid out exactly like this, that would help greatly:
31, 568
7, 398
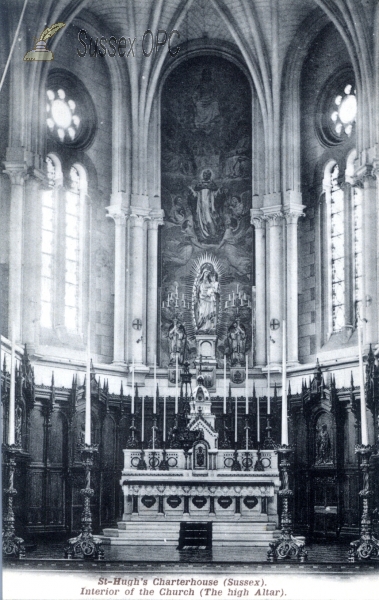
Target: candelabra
236, 466
268, 443
163, 465
367, 546
85, 545
13, 546
259, 464
142, 466
286, 545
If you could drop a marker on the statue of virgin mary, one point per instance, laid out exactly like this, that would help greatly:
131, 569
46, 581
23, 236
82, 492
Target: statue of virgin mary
206, 299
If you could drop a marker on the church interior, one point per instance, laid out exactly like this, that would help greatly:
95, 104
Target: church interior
189, 292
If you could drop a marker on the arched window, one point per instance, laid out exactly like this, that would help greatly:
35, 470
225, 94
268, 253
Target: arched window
48, 239
356, 227
61, 251
73, 224
336, 225
344, 235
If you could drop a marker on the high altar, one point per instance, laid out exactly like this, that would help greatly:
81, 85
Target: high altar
192, 489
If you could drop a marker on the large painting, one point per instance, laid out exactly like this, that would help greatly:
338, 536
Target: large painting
207, 239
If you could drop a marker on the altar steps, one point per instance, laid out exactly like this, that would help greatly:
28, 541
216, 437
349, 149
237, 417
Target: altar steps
131, 533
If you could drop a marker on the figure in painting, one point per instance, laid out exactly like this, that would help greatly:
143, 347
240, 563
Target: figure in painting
237, 160
237, 343
323, 446
206, 299
207, 219
177, 340
205, 102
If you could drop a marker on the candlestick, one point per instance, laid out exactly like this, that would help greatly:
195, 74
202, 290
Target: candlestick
133, 388
284, 391
258, 421
12, 391
247, 385
235, 421
176, 383
87, 436
164, 418
155, 386
268, 380
143, 420
364, 434
224, 407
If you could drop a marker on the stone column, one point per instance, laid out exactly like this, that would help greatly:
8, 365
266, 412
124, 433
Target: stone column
257, 219
274, 217
292, 214
118, 215
137, 280
156, 219
17, 174
367, 180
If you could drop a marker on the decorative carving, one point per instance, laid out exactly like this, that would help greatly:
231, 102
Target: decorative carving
174, 501
224, 501
13, 546
199, 501
148, 501
250, 502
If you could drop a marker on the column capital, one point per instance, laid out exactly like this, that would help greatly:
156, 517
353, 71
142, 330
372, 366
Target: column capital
139, 215
117, 213
17, 172
257, 218
156, 218
292, 212
273, 215
366, 174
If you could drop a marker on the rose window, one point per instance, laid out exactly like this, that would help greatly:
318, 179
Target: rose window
345, 111
62, 118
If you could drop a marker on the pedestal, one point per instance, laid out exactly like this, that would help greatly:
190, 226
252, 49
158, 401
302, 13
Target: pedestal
85, 545
286, 545
367, 546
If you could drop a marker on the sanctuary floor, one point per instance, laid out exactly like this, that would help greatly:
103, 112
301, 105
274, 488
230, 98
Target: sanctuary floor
326, 557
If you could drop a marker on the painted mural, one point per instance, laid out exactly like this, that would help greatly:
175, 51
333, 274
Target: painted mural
207, 239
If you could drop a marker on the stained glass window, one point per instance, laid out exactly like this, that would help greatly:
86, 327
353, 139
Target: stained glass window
357, 246
48, 234
62, 117
337, 250
345, 111
72, 251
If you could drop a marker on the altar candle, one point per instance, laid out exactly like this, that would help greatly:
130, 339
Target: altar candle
235, 421
164, 418
224, 384
153, 437
87, 436
268, 380
258, 421
143, 420
155, 386
247, 386
176, 383
364, 433
12, 399
284, 391
133, 387
247, 438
